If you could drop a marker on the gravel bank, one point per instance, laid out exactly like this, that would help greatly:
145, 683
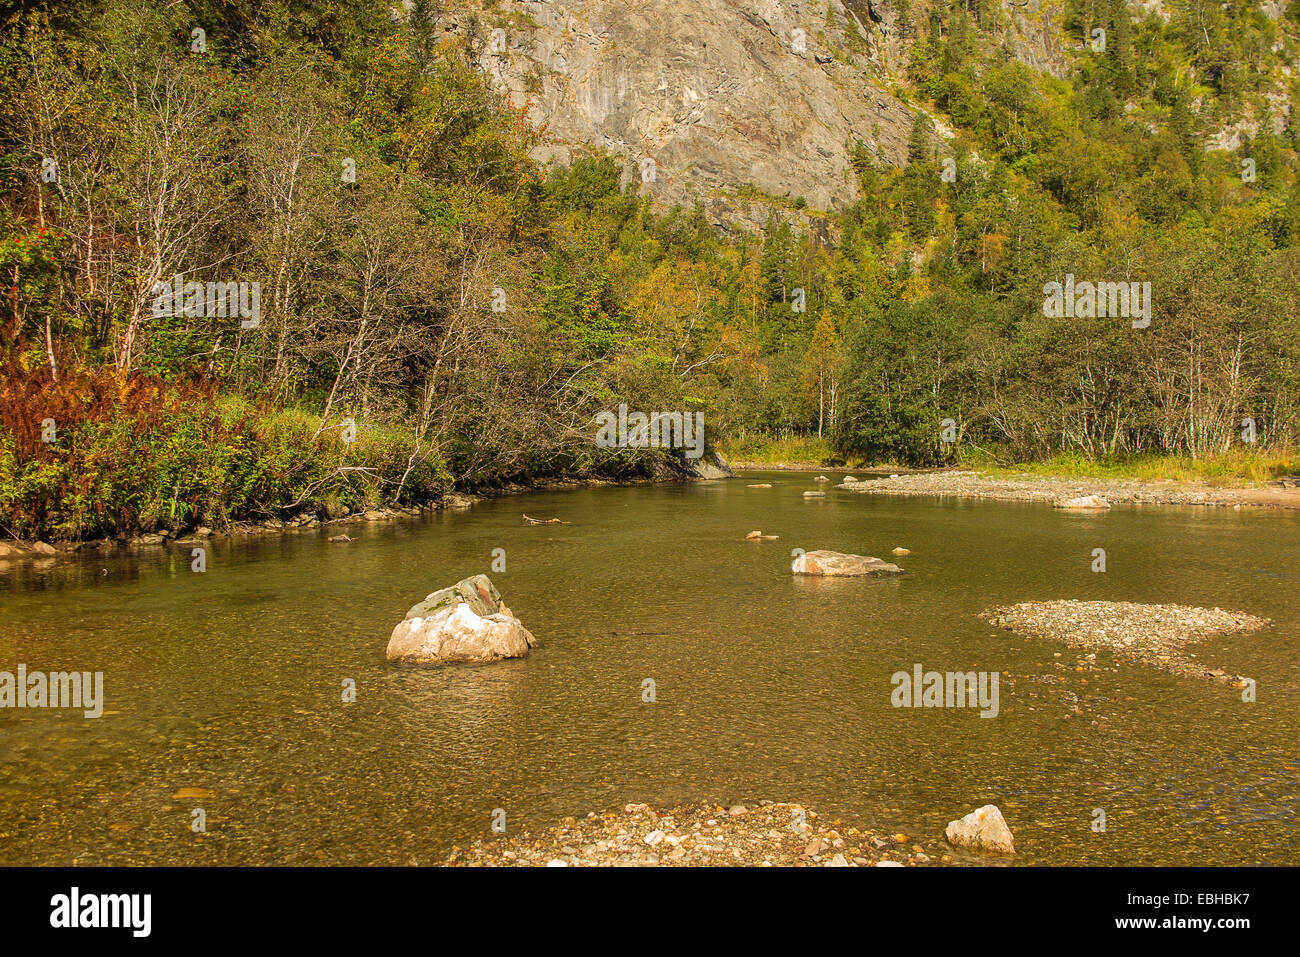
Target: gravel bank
1156, 635
1050, 490
704, 835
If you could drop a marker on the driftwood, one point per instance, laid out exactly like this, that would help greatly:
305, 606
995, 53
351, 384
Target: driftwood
544, 521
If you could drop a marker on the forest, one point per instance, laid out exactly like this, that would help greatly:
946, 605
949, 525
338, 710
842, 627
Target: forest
437, 311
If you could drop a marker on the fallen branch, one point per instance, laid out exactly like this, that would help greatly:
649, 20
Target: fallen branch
544, 521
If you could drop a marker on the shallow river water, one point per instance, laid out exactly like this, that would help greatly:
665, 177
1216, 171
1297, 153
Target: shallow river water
767, 685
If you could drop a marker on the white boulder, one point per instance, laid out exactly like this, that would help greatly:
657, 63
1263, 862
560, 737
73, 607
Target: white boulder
983, 829
467, 622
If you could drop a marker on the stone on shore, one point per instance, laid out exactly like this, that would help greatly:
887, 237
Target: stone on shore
842, 564
983, 829
1084, 501
465, 622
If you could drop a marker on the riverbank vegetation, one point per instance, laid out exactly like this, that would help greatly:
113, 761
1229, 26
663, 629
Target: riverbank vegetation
437, 310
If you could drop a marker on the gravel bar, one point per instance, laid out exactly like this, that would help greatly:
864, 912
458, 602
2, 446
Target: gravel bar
1156, 635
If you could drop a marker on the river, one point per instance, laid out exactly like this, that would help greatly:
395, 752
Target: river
766, 685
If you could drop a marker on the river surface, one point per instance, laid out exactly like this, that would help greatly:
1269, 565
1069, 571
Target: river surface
766, 685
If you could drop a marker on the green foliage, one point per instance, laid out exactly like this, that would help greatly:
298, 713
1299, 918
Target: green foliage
918, 302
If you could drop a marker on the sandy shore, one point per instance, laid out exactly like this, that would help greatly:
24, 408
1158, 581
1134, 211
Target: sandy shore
1050, 490
765, 834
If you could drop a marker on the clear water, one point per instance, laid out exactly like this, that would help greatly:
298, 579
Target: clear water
767, 685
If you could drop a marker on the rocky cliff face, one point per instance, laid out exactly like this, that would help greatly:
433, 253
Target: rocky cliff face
702, 98
705, 98
738, 105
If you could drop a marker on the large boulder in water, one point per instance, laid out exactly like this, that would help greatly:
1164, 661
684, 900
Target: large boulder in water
983, 829
823, 562
466, 622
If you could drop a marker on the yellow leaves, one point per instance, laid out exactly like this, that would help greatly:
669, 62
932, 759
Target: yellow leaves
914, 289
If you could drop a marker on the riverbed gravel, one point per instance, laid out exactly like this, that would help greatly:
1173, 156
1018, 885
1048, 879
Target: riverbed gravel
763, 834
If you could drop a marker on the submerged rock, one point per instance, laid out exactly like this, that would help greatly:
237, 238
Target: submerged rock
822, 562
1084, 501
900, 550
814, 494
465, 622
983, 829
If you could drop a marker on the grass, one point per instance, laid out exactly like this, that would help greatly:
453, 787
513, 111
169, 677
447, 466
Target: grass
762, 450
1232, 468
1239, 466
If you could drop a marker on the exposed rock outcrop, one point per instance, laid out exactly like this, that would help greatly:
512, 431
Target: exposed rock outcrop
749, 108
711, 465
720, 96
